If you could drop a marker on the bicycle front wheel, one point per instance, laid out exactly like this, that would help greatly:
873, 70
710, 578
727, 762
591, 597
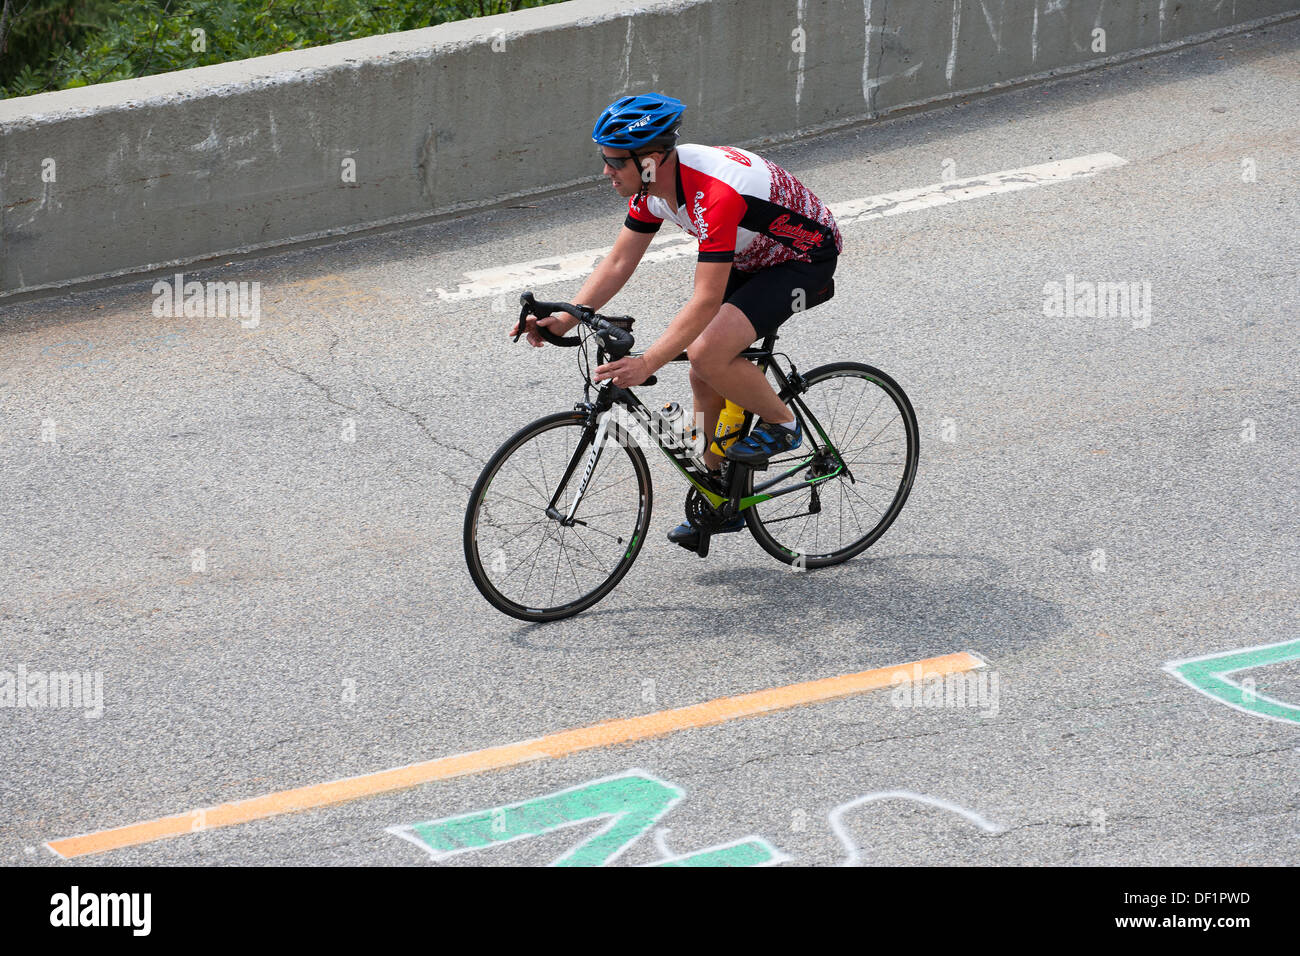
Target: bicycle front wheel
846, 498
524, 558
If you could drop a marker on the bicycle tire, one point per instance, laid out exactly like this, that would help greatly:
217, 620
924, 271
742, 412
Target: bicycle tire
769, 521
491, 578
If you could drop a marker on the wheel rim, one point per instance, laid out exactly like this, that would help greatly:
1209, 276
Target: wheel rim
875, 434
529, 559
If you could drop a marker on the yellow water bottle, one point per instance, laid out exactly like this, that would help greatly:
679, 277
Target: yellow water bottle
730, 421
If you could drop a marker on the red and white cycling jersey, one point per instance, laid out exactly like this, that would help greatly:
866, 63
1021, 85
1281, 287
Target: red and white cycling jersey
743, 209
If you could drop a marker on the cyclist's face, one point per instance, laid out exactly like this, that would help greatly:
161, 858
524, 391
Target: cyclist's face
626, 181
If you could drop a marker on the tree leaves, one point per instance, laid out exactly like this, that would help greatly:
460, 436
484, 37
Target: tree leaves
61, 44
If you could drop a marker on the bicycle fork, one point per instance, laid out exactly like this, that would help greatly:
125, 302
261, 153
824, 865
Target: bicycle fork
597, 445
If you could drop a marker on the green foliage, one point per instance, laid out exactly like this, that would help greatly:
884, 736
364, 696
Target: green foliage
32, 31
60, 44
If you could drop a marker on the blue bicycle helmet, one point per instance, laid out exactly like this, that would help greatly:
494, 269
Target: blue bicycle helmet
642, 122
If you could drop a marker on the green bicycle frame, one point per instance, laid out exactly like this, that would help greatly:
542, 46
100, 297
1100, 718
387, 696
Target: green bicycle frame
691, 468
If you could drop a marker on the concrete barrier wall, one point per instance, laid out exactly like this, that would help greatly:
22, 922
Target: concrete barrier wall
142, 174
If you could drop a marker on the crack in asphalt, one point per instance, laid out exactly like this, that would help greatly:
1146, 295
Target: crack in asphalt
1252, 753
1059, 711
419, 420
329, 396
416, 416
1251, 814
1032, 719
904, 737
1045, 823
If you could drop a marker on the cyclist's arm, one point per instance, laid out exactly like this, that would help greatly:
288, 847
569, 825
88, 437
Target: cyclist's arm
719, 223
604, 282
686, 326
614, 270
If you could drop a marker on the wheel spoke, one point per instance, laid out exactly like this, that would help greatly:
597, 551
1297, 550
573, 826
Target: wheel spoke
495, 494
600, 491
592, 553
866, 421
536, 524
531, 554
853, 491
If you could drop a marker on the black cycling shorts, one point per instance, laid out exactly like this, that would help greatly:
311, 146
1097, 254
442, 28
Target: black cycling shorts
770, 296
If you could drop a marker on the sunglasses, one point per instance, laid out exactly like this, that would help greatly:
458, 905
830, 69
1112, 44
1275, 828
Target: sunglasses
614, 162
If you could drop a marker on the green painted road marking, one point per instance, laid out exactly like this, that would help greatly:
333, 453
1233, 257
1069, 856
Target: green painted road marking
745, 853
632, 802
1206, 674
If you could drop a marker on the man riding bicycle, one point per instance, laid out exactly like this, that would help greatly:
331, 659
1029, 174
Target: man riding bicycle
768, 248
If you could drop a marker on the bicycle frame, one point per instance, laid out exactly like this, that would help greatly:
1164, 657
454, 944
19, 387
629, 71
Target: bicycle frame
602, 413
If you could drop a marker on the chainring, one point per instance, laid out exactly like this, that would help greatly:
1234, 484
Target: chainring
700, 513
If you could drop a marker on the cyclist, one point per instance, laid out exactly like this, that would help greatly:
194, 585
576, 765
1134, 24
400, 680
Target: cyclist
767, 248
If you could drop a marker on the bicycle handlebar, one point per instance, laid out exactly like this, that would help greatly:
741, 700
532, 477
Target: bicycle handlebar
617, 342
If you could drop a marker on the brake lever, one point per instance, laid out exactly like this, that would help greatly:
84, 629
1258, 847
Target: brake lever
523, 323
526, 301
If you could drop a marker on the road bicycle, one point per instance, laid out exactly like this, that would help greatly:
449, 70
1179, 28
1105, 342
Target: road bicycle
561, 510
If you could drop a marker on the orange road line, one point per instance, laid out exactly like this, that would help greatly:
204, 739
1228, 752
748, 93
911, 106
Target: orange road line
551, 746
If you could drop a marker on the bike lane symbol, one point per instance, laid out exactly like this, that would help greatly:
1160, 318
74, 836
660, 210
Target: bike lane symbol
632, 803
1208, 675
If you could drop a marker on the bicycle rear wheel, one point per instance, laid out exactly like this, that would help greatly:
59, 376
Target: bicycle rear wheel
870, 423
525, 561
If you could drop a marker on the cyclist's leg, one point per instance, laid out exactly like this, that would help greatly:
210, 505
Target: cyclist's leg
717, 347
715, 358
752, 310
771, 297
708, 406
708, 400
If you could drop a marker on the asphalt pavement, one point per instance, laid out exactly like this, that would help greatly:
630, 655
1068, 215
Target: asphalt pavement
253, 534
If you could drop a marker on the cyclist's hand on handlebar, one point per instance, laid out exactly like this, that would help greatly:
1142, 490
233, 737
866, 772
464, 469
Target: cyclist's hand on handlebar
626, 372
556, 324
